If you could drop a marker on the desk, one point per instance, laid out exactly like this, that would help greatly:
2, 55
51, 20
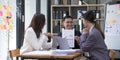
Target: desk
53, 57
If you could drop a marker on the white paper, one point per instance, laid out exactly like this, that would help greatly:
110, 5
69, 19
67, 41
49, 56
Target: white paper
69, 51
69, 36
49, 52
39, 53
63, 43
58, 52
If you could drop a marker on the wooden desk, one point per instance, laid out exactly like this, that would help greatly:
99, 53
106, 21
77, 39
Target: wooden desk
53, 57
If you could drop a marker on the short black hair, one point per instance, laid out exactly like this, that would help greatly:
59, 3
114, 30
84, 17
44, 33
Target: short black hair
68, 16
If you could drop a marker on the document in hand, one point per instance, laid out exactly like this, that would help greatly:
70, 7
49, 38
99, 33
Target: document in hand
69, 36
63, 43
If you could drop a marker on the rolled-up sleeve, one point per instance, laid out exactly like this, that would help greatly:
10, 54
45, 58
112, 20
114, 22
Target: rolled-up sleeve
46, 44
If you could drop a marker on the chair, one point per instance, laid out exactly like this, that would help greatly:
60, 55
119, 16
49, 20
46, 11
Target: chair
112, 54
14, 53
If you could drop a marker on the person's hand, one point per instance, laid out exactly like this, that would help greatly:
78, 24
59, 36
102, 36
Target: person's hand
85, 31
77, 38
49, 34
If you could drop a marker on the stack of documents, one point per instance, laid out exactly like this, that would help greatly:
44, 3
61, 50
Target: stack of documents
39, 53
65, 52
53, 52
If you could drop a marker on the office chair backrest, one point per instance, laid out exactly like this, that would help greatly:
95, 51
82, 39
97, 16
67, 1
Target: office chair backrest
14, 53
112, 54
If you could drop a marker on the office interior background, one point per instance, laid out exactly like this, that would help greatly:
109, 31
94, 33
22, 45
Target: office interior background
15, 16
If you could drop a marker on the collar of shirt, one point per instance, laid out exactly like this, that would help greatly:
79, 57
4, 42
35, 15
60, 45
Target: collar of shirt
91, 28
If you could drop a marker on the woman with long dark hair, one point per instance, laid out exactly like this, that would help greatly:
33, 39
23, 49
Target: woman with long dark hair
34, 39
92, 39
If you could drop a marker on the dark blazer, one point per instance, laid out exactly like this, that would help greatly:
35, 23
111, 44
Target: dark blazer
77, 33
95, 45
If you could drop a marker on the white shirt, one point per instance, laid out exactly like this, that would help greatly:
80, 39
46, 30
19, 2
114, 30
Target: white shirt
32, 43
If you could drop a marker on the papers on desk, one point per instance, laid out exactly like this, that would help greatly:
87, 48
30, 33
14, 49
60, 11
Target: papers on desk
69, 36
65, 52
39, 53
53, 52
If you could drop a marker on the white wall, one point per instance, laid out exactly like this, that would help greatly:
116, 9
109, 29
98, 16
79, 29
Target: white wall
44, 11
30, 10
12, 35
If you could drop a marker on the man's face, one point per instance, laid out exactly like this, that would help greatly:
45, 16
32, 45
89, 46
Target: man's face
68, 23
